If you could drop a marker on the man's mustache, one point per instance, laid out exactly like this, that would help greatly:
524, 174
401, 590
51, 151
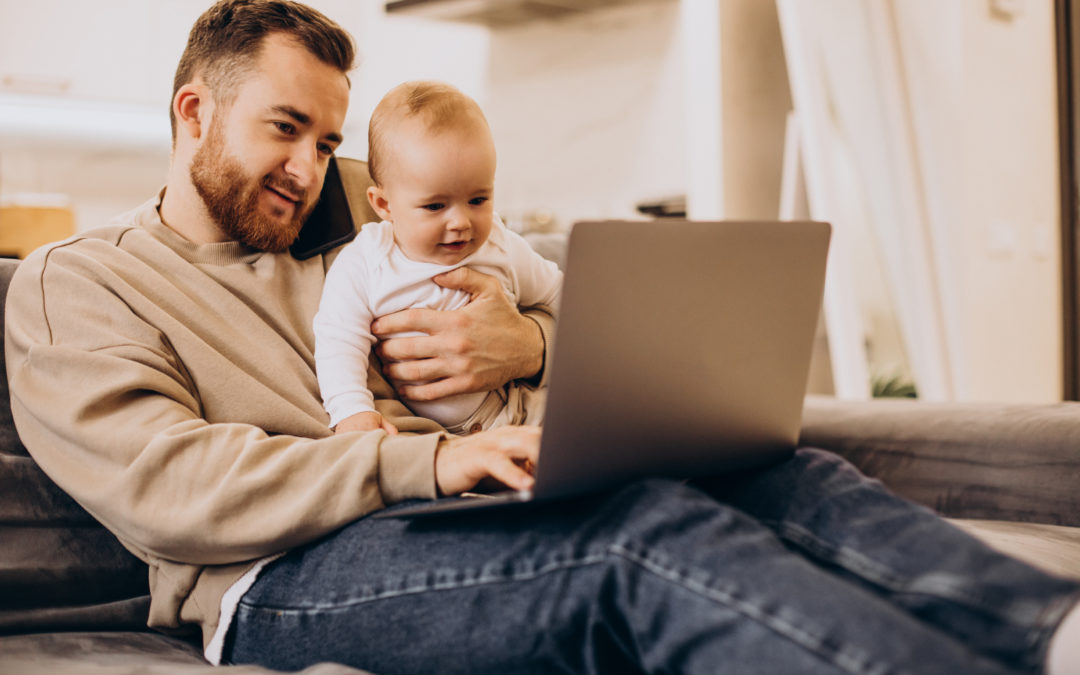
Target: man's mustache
288, 187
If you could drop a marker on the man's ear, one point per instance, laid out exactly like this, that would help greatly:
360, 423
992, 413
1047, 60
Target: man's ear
377, 199
191, 107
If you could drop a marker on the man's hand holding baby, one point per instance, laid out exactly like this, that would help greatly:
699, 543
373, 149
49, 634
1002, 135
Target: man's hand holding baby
479, 347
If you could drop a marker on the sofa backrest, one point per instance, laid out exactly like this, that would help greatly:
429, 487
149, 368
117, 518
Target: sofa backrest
9, 440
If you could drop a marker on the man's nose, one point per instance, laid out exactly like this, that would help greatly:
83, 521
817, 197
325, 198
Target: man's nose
303, 166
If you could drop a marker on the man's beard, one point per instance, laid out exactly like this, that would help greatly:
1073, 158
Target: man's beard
232, 199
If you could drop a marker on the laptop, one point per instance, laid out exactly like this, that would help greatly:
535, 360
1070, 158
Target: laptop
682, 349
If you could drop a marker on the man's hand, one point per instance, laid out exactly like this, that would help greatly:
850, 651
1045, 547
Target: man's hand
506, 454
479, 347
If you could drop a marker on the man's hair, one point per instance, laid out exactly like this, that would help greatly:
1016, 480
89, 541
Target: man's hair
226, 40
440, 105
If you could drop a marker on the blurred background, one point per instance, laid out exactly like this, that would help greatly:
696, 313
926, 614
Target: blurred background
926, 131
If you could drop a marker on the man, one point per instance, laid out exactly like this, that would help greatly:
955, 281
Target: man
161, 372
253, 135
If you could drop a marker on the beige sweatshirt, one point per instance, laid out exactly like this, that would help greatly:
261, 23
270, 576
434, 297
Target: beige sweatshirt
170, 388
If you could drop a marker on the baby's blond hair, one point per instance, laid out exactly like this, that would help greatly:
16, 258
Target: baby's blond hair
440, 105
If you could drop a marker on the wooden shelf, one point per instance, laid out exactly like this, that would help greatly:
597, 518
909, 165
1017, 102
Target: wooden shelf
502, 13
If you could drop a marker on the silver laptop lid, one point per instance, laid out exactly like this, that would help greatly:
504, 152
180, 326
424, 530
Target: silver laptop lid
682, 349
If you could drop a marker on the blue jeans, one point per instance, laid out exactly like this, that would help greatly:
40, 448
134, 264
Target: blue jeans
803, 567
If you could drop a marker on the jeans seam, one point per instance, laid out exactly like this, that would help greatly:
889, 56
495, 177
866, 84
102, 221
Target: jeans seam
850, 659
479, 580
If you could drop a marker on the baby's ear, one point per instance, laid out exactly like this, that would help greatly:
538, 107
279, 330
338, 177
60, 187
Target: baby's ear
377, 198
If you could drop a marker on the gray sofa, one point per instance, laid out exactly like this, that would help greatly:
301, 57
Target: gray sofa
72, 600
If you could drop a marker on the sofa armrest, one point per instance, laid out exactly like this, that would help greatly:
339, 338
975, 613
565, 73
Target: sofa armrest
1015, 462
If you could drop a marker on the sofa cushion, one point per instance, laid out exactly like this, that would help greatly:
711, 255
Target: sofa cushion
990, 461
59, 568
120, 654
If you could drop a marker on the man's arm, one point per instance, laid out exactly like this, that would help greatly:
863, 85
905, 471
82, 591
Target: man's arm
110, 413
113, 415
479, 347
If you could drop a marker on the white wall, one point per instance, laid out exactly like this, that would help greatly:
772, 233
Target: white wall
583, 111
944, 114
1009, 260
588, 113
120, 52
123, 53
590, 117
983, 89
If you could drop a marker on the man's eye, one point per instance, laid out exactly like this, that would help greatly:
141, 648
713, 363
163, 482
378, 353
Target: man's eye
325, 150
285, 127
477, 201
432, 207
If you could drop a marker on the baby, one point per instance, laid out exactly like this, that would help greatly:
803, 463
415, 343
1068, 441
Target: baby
432, 159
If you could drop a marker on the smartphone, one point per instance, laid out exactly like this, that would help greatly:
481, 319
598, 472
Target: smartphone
330, 223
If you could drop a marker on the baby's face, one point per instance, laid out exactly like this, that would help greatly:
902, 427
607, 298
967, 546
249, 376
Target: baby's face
438, 187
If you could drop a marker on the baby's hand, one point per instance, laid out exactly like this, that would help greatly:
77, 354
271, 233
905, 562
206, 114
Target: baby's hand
365, 421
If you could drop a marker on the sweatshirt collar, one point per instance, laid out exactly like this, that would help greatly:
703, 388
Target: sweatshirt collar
148, 217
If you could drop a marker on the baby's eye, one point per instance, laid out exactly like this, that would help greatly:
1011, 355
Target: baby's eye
432, 207
477, 201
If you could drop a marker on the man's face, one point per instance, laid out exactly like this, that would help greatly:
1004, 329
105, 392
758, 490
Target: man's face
438, 187
260, 166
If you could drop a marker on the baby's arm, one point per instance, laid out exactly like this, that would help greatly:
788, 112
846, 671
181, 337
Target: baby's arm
539, 279
365, 421
343, 342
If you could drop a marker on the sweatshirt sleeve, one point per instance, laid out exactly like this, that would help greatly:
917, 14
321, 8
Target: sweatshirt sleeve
545, 320
109, 412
